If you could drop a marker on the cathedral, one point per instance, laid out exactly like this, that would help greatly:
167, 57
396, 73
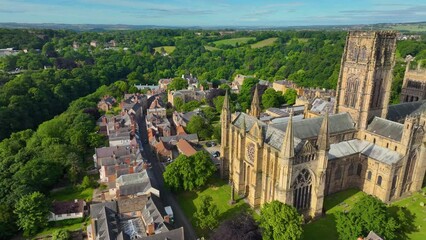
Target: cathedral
366, 144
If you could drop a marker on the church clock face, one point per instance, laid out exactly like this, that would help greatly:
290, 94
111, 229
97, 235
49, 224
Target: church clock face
250, 152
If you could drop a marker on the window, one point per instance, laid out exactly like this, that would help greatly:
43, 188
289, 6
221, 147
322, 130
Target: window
374, 140
387, 145
338, 173
359, 169
365, 137
369, 175
351, 169
302, 189
395, 148
379, 181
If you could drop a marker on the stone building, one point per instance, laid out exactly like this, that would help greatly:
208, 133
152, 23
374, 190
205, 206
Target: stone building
414, 85
365, 144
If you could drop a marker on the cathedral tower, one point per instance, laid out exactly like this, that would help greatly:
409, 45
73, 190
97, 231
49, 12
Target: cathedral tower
365, 77
225, 141
255, 104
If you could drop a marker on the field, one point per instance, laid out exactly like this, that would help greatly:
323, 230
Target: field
69, 224
264, 43
233, 41
71, 193
410, 27
220, 191
168, 49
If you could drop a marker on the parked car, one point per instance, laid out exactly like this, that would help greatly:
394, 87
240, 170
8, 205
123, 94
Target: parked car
216, 154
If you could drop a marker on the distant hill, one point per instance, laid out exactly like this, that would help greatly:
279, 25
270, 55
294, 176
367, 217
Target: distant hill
418, 27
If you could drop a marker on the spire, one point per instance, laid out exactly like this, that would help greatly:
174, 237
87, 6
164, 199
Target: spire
287, 148
323, 137
255, 104
225, 108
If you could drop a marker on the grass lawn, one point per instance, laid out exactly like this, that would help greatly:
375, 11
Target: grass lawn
209, 48
220, 191
413, 204
168, 49
325, 227
264, 43
69, 224
233, 41
71, 193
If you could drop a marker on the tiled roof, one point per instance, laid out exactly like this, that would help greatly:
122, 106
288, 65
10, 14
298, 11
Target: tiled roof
132, 204
175, 234
185, 148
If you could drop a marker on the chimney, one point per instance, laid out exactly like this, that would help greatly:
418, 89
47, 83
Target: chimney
150, 229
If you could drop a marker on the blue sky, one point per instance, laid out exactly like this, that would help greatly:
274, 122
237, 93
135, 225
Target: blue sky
213, 12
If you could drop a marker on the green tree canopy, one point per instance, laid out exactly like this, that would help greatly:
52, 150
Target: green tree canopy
368, 214
32, 211
61, 234
188, 173
207, 213
246, 92
199, 125
177, 84
272, 98
290, 96
280, 221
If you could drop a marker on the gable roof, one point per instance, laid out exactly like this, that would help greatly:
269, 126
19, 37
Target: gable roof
132, 204
68, 207
185, 148
273, 134
365, 148
398, 112
175, 234
386, 128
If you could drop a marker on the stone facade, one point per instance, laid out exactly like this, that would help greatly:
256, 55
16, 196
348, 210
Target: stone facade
414, 85
300, 161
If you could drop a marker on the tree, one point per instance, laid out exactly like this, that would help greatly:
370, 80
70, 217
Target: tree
188, 173
290, 96
190, 106
246, 92
280, 221
32, 211
207, 213
368, 214
240, 227
272, 98
178, 103
199, 125
177, 84
61, 234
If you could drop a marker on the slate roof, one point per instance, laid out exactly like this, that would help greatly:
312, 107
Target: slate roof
320, 105
386, 128
365, 148
188, 137
175, 234
398, 112
107, 224
154, 213
97, 207
273, 134
68, 207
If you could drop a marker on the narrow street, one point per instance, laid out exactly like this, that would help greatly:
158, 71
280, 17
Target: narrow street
167, 197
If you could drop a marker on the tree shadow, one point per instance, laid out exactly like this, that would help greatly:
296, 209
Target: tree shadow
405, 218
338, 198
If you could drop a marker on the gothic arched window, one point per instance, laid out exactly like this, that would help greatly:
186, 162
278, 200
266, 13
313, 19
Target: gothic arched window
338, 173
302, 190
379, 181
351, 169
359, 169
369, 175
351, 92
